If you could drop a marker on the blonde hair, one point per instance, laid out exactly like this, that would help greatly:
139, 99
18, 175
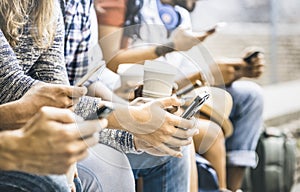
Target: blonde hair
15, 14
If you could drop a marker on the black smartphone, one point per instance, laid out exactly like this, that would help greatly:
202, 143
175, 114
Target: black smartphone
188, 88
101, 112
252, 55
104, 111
195, 105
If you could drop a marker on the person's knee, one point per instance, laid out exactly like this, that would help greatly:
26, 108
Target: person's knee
247, 93
210, 134
255, 93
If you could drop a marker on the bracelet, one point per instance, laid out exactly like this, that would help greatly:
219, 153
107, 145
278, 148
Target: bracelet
164, 49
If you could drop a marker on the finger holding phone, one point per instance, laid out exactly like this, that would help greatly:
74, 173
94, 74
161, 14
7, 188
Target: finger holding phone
255, 60
181, 136
206, 33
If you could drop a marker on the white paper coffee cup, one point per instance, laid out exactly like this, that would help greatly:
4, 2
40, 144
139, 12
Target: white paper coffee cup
131, 75
159, 77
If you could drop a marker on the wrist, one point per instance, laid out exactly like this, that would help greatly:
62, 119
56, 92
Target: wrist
162, 50
137, 145
15, 114
24, 110
9, 144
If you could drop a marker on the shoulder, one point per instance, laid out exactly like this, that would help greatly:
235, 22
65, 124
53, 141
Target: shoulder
111, 12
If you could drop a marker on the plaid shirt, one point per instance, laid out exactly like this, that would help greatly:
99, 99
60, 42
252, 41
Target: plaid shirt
77, 37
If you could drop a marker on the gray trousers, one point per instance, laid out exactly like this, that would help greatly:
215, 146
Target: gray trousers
106, 170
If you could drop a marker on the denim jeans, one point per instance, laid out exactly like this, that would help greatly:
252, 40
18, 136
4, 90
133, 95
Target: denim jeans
105, 170
14, 181
247, 120
78, 184
162, 174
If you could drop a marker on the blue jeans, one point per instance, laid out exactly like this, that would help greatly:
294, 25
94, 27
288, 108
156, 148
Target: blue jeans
162, 174
247, 120
78, 184
105, 170
14, 181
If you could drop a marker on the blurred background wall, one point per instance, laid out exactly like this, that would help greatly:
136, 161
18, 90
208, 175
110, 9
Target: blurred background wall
271, 24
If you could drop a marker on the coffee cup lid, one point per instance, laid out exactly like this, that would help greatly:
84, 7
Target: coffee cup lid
153, 94
130, 70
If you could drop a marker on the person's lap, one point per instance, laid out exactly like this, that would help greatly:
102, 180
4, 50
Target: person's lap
162, 174
105, 169
14, 181
246, 117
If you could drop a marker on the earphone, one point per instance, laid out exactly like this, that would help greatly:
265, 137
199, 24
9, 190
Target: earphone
168, 15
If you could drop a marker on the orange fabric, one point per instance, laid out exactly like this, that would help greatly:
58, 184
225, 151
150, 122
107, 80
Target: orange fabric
113, 12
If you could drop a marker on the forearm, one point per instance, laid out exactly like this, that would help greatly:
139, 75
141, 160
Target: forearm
98, 89
13, 115
135, 55
228, 70
8, 160
13, 81
119, 118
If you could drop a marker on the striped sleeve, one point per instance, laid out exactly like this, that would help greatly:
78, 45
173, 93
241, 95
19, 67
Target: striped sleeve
50, 66
13, 82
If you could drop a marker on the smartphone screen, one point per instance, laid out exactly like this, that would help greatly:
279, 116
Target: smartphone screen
104, 111
101, 112
195, 105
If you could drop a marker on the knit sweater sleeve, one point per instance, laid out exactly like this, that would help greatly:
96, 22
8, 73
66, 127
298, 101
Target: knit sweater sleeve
50, 66
119, 140
13, 82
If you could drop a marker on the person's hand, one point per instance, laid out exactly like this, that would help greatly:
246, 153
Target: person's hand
183, 40
50, 142
142, 145
235, 68
151, 123
255, 64
46, 94
206, 34
227, 71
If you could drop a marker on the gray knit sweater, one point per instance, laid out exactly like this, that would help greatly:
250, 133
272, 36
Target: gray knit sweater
25, 64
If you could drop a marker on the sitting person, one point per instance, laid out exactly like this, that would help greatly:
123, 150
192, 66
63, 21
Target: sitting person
212, 131
22, 166
25, 67
77, 66
241, 145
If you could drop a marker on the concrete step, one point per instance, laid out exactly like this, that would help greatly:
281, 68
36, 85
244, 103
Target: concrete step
282, 102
